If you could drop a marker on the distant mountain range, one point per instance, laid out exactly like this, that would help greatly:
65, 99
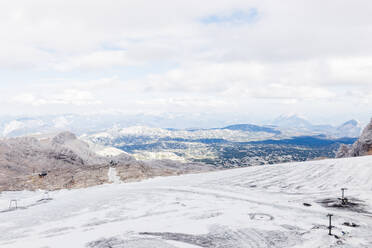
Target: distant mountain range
30, 146
230, 146
295, 123
288, 138
11, 126
289, 125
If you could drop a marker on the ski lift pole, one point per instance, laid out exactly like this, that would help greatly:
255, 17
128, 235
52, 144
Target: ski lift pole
343, 199
330, 224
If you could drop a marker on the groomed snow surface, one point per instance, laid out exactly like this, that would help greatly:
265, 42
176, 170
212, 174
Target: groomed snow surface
259, 206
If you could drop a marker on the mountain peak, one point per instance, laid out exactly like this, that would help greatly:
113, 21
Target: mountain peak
351, 128
62, 137
351, 122
291, 120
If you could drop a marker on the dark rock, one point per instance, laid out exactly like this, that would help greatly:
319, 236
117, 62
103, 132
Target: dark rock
350, 224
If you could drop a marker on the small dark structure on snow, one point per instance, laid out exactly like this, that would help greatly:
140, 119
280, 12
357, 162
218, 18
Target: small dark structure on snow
113, 163
43, 174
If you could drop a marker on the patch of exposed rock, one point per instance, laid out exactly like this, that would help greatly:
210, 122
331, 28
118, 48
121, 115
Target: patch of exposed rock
362, 147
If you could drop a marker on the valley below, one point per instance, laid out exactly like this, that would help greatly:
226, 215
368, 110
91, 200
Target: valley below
140, 152
232, 146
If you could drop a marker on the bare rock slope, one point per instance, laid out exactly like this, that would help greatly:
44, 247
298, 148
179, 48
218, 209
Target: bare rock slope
65, 161
362, 147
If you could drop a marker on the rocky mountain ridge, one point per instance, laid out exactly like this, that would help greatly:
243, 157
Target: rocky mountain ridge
63, 161
362, 147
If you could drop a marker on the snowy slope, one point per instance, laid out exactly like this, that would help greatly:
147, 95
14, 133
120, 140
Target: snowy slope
250, 207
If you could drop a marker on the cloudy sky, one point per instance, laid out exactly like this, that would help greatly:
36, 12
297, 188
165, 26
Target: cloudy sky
257, 59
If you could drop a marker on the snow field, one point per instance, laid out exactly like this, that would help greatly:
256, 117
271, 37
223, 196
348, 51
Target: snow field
250, 207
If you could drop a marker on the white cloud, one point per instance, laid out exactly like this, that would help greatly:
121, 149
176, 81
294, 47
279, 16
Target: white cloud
207, 77
290, 93
96, 60
27, 98
355, 70
254, 80
69, 35
74, 97
61, 122
66, 97
128, 54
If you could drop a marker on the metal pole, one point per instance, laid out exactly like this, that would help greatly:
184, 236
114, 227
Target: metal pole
330, 224
343, 195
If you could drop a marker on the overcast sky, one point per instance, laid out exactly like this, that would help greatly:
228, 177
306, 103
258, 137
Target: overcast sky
259, 59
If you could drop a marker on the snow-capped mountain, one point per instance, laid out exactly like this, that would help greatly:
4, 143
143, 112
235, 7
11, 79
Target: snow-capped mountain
292, 121
79, 124
291, 125
350, 128
257, 207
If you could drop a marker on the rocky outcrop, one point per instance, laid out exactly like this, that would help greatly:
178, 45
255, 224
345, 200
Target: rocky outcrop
63, 137
343, 151
362, 147
91, 175
69, 162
